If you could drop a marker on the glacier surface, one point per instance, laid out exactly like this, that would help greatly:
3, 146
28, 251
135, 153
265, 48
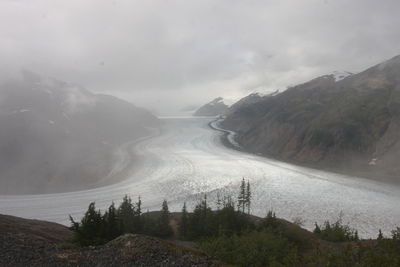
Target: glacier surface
186, 159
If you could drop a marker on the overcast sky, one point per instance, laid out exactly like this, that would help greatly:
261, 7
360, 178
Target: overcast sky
168, 54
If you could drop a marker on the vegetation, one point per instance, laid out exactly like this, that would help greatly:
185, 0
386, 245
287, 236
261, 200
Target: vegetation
336, 232
233, 236
96, 229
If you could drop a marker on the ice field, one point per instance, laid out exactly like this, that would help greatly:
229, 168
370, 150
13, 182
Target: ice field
186, 159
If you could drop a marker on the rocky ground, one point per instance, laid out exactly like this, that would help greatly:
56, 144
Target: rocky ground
37, 243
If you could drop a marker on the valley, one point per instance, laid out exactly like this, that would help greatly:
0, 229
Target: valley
185, 159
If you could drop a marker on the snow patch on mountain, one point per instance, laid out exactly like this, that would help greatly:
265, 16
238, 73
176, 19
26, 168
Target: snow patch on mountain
340, 75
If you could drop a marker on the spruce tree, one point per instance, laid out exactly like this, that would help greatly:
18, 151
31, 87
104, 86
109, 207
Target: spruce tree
89, 230
164, 229
126, 212
242, 196
137, 223
183, 226
111, 224
219, 202
248, 197
380, 235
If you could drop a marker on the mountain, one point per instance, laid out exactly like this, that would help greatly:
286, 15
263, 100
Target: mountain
213, 108
56, 136
248, 100
349, 123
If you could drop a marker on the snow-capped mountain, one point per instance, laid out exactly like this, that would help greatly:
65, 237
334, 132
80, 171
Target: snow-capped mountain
214, 108
344, 121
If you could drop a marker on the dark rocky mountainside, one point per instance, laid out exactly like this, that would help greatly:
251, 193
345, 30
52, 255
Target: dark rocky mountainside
26, 242
56, 136
350, 125
214, 108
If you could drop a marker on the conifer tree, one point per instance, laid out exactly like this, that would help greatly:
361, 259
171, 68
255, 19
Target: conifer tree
242, 196
89, 230
219, 202
164, 229
111, 225
248, 197
126, 214
183, 226
380, 235
137, 223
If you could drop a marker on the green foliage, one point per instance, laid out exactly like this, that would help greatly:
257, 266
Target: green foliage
336, 232
90, 230
396, 234
244, 197
163, 229
234, 237
255, 248
96, 229
184, 223
204, 222
111, 225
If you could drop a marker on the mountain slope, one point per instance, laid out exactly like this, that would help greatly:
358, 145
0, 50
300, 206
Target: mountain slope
213, 108
58, 137
349, 124
25, 242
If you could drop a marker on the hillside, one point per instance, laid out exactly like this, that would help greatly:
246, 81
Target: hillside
26, 242
213, 108
348, 124
57, 137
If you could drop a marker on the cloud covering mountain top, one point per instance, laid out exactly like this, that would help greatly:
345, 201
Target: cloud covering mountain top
187, 52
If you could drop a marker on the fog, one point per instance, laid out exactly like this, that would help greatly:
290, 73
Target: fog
96, 99
166, 55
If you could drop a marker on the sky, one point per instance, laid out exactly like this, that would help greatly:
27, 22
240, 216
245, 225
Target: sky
169, 54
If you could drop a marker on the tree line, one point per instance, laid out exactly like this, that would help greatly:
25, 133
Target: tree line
96, 228
232, 235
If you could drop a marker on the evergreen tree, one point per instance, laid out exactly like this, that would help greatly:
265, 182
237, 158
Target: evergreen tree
110, 223
137, 219
89, 230
317, 229
248, 197
126, 214
164, 229
183, 226
380, 235
219, 202
242, 196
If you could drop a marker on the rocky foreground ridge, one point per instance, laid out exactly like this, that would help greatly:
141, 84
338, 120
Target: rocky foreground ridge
351, 124
26, 242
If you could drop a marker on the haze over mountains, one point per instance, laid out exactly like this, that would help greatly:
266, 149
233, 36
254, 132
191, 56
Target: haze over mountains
349, 124
213, 108
58, 137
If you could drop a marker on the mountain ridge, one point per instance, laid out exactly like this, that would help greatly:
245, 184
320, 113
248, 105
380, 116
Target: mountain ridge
351, 125
58, 137
214, 108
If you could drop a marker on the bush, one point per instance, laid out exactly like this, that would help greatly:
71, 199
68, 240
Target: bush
255, 248
336, 232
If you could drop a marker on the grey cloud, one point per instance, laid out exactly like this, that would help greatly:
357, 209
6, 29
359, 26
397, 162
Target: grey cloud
174, 53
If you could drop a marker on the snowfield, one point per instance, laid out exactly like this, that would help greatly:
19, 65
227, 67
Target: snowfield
186, 159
